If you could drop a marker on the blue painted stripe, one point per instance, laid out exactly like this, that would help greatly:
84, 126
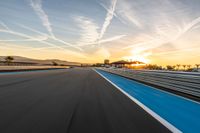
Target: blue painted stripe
184, 114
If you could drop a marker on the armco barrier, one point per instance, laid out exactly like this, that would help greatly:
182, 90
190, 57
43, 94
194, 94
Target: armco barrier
185, 82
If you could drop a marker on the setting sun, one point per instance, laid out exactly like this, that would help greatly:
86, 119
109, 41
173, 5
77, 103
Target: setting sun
137, 58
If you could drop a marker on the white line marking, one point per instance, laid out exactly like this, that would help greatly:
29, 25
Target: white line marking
148, 110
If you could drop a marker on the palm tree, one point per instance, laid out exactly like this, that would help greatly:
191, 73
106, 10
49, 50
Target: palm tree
174, 67
9, 59
184, 66
169, 67
188, 66
178, 65
197, 65
55, 63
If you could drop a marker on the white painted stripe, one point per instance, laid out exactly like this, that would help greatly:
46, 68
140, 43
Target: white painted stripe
152, 113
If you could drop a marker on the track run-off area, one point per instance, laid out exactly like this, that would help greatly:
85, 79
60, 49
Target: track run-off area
90, 100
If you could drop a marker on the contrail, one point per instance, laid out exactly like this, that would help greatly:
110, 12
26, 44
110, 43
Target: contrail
109, 17
112, 39
157, 41
4, 25
113, 13
8, 30
26, 40
108, 10
54, 38
104, 40
37, 7
89, 33
189, 26
29, 37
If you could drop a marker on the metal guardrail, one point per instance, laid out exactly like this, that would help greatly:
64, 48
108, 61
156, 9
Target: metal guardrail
184, 82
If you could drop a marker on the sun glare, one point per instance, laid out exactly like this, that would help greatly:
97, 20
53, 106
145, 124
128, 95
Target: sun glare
140, 58
139, 55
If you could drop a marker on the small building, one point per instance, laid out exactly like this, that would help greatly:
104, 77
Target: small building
120, 64
127, 64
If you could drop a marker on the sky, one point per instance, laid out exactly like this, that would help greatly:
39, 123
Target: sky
89, 31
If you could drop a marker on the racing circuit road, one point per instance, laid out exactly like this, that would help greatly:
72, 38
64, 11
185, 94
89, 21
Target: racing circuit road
84, 100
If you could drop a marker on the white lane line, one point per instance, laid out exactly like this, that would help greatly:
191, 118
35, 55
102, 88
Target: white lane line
148, 110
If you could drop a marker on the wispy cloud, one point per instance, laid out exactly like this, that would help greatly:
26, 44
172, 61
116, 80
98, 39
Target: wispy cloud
37, 7
112, 38
115, 15
28, 37
89, 33
190, 26
89, 30
39, 38
102, 41
126, 12
109, 17
165, 33
4, 25
50, 37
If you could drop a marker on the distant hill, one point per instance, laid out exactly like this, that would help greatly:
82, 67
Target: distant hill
41, 62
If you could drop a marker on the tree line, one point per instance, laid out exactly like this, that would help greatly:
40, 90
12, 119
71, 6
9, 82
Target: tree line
172, 67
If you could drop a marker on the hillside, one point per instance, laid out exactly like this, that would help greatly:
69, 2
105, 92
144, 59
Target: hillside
37, 61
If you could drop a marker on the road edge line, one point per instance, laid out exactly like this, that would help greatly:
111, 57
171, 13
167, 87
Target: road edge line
148, 110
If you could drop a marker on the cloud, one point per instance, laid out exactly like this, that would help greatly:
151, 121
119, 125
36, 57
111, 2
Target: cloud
29, 37
54, 38
39, 38
166, 32
37, 7
102, 41
112, 39
89, 30
190, 26
114, 14
4, 25
126, 12
108, 19
170, 32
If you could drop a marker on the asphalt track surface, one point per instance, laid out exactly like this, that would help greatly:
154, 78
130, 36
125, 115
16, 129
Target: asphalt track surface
69, 101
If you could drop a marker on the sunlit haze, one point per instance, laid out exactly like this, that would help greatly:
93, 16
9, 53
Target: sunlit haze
89, 31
